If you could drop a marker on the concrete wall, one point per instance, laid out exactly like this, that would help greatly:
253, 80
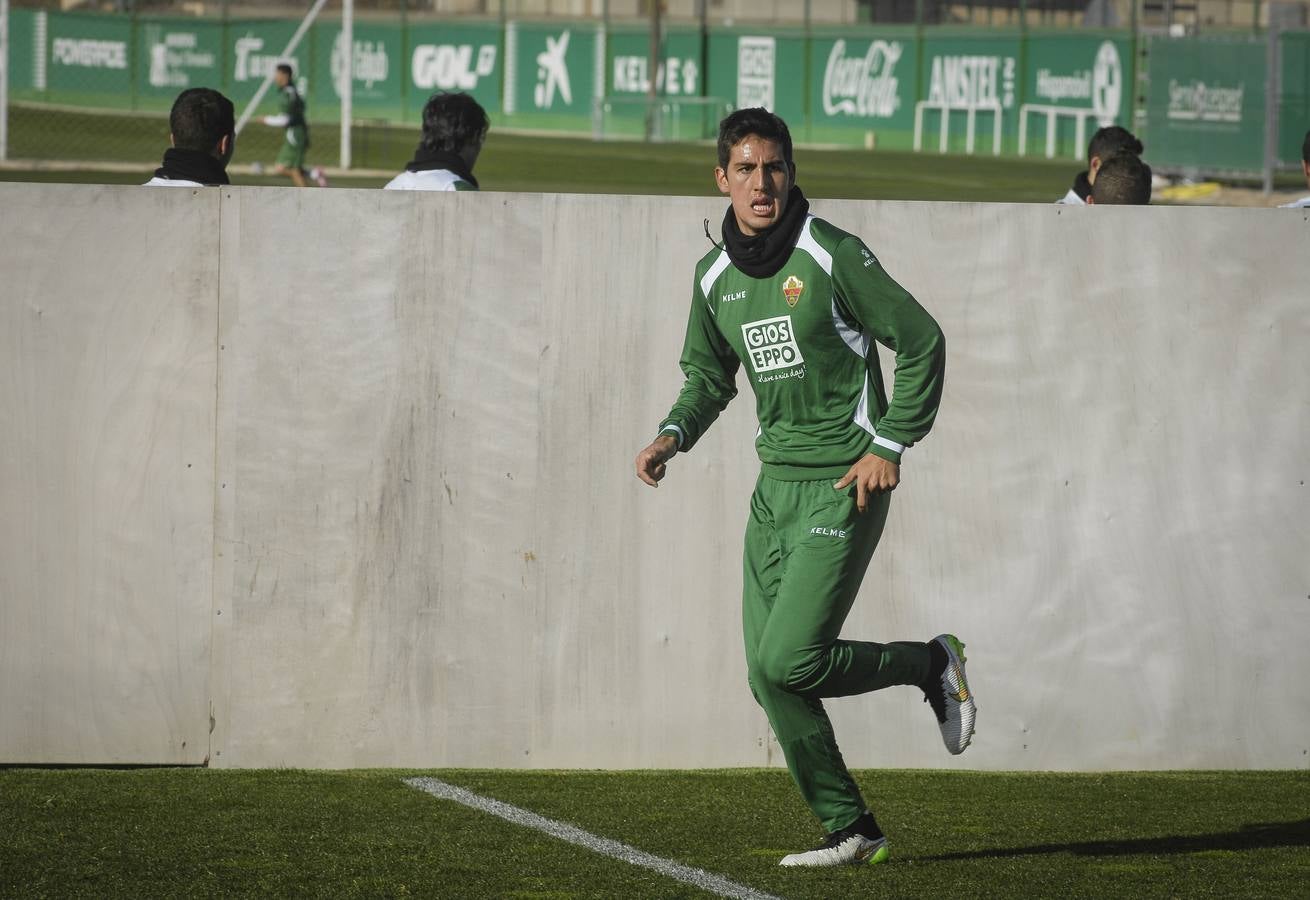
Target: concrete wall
412, 535
108, 317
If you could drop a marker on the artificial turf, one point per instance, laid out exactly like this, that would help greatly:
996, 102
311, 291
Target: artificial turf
538, 163
520, 162
190, 832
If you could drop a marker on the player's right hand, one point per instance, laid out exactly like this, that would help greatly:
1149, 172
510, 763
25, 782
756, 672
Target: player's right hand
651, 461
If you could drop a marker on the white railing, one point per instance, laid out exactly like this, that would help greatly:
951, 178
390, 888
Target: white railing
1053, 113
971, 126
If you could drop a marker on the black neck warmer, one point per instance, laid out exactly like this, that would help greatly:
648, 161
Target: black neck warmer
763, 255
426, 160
1081, 186
191, 165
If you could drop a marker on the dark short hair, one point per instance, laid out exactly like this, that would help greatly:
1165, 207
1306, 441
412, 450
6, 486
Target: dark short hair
1111, 141
453, 121
1123, 179
1305, 148
200, 118
286, 69
742, 123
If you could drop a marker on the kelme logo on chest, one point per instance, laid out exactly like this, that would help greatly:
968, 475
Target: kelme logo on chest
771, 344
791, 290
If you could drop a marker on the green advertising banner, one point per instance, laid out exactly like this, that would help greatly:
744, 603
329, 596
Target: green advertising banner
949, 89
760, 68
378, 71
1074, 83
22, 58
1294, 108
970, 92
453, 57
1205, 104
254, 49
553, 74
175, 54
862, 88
684, 113
679, 73
87, 59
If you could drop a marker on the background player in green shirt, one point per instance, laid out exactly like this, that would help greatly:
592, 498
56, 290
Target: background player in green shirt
291, 116
800, 304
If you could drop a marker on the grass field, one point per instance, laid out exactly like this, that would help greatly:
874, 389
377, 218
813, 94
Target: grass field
196, 832
517, 162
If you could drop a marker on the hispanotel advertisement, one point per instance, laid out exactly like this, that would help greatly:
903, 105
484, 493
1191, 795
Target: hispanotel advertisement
863, 87
1075, 78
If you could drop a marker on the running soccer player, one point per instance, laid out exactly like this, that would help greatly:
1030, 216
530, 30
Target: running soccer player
801, 302
291, 158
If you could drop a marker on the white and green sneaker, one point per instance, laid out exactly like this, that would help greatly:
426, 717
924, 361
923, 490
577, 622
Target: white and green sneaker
860, 843
947, 692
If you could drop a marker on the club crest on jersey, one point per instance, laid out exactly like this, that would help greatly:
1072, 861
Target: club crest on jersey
791, 289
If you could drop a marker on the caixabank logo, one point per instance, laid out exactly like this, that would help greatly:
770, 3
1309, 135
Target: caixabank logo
772, 349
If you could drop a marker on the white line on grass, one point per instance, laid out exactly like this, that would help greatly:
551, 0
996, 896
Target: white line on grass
715, 884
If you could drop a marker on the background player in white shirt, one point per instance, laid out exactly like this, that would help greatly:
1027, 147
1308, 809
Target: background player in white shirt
1106, 143
454, 129
202, 135
1305, 170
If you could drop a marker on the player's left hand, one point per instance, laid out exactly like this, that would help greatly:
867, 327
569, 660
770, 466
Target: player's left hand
870, 475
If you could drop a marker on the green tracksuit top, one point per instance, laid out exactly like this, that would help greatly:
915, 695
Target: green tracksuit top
806, 336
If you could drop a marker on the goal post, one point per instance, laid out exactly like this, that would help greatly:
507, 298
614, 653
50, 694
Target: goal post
4, 80
346, 89
668, 118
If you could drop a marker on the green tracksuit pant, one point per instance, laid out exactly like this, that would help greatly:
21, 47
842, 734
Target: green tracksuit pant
807, 547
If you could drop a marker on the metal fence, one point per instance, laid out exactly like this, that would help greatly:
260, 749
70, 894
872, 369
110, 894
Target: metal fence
1187, 15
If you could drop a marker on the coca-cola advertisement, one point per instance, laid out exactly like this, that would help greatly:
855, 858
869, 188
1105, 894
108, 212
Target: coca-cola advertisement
864, 84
